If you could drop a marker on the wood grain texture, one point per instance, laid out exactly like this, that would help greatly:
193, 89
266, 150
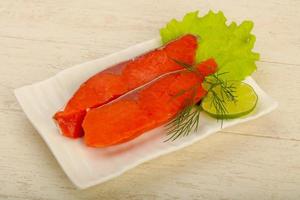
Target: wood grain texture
256, 160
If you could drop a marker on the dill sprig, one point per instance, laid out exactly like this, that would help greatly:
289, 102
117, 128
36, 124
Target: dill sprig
221, 91
184, 123
187, 120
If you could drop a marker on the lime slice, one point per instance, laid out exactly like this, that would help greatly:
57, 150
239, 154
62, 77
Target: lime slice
246, 100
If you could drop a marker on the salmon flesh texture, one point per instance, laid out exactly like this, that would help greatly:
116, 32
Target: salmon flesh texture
122, 78
149, 107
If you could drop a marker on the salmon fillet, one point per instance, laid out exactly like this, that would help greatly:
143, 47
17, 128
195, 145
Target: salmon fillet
122, 78
148, 108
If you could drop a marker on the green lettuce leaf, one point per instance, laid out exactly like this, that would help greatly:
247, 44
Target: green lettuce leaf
230, 45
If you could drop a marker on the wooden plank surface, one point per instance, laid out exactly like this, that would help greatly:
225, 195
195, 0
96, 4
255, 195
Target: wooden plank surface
256, 160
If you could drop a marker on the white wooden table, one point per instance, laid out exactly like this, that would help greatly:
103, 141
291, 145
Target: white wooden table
256, 160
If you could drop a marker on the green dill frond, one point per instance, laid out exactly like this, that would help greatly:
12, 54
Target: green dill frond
184, 123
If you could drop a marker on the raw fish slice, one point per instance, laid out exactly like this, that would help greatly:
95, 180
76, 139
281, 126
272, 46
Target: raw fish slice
122, 78
149, 107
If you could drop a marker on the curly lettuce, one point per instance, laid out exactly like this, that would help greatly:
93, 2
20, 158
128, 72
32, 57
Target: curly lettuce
230, 45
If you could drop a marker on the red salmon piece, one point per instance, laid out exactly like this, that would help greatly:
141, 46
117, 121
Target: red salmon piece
107, 85
150, 107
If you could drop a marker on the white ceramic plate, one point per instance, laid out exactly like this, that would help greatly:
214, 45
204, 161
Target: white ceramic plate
89, 166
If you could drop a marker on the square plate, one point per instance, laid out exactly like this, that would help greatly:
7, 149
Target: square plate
89, 166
